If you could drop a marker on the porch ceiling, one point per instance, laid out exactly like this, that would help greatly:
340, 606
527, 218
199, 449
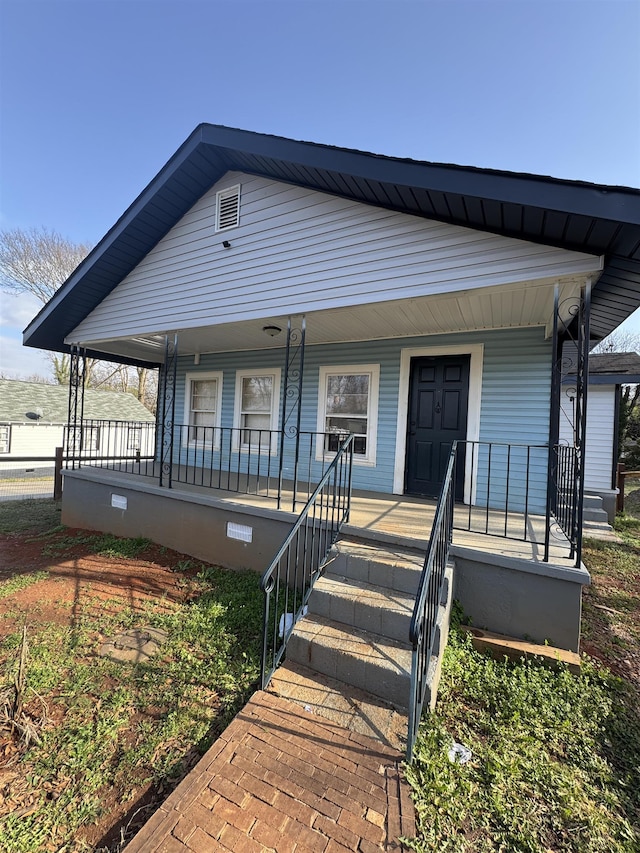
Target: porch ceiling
505, 306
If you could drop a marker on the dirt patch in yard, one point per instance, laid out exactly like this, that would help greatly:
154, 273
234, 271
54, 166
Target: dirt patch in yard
78, 579
60, 581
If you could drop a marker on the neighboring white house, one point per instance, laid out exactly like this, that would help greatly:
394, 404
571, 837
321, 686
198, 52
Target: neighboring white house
33, 423
608, 372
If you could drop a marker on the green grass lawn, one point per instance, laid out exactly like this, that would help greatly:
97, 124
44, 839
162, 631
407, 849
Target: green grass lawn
29, 515
555, 758
127, 725
115, 730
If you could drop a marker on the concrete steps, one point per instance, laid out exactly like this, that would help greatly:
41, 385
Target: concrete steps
362, 659
593, 512
595, 521
357, 629
364, 606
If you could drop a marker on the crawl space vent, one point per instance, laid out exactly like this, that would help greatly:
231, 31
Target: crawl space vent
239, 531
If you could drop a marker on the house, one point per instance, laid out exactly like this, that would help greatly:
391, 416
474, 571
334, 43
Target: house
353, 345
33, 423
608, 373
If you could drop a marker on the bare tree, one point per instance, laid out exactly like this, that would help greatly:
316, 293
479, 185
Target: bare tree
37, 261
618, 341
35, 378
139, 381
629, 411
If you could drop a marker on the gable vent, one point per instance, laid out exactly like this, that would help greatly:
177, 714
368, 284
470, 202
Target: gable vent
228, 208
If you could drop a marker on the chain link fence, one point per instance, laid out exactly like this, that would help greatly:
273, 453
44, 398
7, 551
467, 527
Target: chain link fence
30, 477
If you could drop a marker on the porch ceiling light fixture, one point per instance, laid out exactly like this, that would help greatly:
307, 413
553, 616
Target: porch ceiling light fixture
272, 331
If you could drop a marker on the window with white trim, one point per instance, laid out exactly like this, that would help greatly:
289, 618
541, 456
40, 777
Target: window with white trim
5, 438
83, 439
348, 404
228, 208
202, 407
134, 437
256, 409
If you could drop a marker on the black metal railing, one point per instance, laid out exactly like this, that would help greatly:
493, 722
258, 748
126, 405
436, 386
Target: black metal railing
235, 460
289, 580
564, 509
232, 459
114, 444
424, 622
506, 489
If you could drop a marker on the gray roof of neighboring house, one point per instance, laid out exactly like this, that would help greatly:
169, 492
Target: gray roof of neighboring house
18, 398
614, 368
584, 217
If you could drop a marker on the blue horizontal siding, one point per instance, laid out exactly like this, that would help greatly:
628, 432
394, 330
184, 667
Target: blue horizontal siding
514, 409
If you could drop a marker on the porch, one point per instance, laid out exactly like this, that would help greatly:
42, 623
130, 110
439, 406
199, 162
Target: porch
375, 516
502, 580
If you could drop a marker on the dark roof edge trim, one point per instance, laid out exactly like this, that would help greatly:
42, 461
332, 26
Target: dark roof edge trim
523, 188
183, 152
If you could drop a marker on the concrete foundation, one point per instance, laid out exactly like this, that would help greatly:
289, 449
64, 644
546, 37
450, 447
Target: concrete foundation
541, 602
193, 524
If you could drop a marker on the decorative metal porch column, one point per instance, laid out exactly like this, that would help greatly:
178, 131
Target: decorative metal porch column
75, 414
569, 381
168, 408
291, 401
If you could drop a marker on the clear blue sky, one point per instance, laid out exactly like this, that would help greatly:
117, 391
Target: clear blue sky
97, 94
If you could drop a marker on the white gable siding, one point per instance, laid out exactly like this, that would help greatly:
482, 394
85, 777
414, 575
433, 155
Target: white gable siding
298, 250
600, 434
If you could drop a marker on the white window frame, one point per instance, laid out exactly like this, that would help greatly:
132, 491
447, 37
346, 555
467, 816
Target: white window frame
87, 436
134, 430
227, 191
197, 376
275, 373
5, 443
373, 370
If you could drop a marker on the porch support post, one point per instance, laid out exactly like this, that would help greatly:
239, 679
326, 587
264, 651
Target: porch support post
75, 414
167, 415
554, 423
566, 465
292, 402
581, 410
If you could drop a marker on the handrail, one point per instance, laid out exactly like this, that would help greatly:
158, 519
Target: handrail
564, 510
290, 578
422, 630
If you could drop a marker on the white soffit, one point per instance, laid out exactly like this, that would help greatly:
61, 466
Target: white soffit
511, 306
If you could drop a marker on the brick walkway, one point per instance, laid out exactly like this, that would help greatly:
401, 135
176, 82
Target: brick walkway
284, 780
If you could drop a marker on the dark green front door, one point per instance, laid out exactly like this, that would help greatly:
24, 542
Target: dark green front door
438, 402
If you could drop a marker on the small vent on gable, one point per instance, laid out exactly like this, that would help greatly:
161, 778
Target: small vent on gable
228, 208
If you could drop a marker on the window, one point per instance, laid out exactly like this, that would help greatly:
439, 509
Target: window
228, 208
202, 408
134, 437
83, 438
349, 404
257, 398
5, 438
